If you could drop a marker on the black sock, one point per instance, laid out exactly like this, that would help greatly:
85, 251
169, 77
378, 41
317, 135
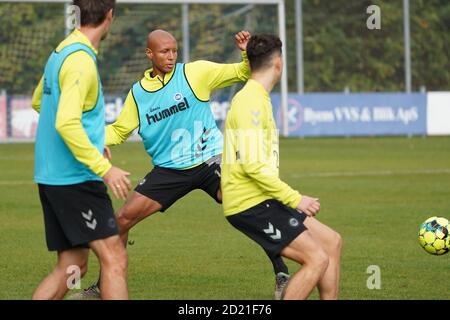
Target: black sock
279, 265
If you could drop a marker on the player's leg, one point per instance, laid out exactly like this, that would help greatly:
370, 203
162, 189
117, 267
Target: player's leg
209, 181
281, 274
331, 242
55, 286
277, 229
85, 214
279, 266
305, 250
113, 263
137, 208
156, 192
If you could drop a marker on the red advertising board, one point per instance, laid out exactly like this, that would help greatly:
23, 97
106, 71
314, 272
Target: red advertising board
24, 118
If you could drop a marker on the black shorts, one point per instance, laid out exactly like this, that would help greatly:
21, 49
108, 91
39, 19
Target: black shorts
271, 224
77, 214
168, 185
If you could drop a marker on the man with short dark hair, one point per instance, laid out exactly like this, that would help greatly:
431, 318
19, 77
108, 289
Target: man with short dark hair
69, 165
255, 200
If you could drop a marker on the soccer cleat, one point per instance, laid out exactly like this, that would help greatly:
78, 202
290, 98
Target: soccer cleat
91, 293
281, 281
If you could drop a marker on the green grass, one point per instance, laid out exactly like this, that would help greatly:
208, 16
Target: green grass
374, 191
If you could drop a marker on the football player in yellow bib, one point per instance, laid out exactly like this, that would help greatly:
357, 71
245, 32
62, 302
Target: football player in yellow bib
255, 200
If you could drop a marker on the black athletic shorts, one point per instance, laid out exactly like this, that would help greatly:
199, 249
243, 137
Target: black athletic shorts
77, 214
168, 185
271, 224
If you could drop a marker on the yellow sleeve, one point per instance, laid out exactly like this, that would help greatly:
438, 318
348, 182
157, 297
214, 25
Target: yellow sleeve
37, 94
261, 169
128, 120
205, 76
78, 75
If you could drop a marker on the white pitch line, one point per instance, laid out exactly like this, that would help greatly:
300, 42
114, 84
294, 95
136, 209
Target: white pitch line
305, 175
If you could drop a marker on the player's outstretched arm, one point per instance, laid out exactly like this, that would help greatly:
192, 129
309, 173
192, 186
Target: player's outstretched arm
206, 76
128, 120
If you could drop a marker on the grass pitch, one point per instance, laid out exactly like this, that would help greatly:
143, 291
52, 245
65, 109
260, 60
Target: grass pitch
375, 191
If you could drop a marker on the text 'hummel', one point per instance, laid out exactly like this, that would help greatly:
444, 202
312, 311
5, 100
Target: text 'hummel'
168, 112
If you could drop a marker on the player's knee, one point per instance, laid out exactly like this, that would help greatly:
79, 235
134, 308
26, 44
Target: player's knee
335, 245
320, 261
123, 220
338, 243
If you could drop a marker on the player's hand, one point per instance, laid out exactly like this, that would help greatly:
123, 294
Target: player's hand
241, 40
107, 153
309, 206
117, 180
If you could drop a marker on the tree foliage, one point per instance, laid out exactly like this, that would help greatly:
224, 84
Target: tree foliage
339, 50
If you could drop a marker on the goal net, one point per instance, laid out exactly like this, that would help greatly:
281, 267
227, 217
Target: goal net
31, 29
